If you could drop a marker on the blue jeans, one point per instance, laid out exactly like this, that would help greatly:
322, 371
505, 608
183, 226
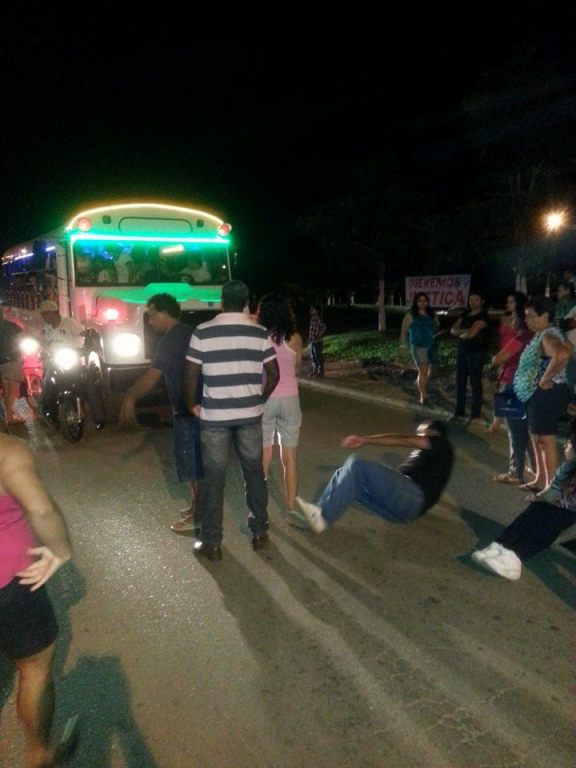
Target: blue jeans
216, 442
382, 489
519, 440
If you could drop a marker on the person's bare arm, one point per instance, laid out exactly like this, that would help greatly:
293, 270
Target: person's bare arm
143, 386
20, 479
272, 378
191, 373
406, 323
297, 345
391, 441
559, 353
474, 329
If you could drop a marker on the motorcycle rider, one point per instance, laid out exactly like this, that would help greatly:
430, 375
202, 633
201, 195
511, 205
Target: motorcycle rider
58, 331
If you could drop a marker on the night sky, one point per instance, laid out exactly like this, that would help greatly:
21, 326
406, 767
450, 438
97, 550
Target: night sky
259, 116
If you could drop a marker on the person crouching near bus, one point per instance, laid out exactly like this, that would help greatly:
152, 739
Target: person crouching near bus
169, 362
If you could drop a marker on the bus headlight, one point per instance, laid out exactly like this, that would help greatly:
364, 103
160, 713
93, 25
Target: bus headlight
126, 344
66, 358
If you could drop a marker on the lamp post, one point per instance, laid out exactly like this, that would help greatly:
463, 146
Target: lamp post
554, 222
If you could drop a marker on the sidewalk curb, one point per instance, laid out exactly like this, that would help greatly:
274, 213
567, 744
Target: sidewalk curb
367, 397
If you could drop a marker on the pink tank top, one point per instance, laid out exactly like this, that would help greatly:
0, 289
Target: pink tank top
288, 384
15, 538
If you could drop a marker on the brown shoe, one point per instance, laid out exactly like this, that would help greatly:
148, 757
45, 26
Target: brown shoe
184, 525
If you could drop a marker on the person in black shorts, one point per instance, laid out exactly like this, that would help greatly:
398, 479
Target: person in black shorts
34, 543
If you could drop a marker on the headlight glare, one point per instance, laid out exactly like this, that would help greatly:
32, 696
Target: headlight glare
66, 358
126, 344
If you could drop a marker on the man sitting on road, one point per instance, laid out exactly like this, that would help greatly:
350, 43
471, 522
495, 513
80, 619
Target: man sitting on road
397, 495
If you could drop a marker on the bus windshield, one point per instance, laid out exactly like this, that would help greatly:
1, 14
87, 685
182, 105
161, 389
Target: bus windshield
98, 262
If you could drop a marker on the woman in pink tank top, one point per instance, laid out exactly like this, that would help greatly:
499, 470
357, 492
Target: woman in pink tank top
282, 416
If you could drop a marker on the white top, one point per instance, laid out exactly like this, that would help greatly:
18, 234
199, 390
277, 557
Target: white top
67, 333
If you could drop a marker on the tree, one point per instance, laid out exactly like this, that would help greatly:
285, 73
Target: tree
378, 226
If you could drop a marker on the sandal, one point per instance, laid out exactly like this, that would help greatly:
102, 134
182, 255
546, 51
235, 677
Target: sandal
507, 479
530, 487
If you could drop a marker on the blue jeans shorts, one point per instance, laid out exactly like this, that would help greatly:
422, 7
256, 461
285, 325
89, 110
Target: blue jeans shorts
282, 415
187, 451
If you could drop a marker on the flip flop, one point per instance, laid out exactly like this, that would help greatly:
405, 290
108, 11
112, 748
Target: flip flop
530, 487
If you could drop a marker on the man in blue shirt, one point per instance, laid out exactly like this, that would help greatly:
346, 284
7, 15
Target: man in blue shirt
169, 361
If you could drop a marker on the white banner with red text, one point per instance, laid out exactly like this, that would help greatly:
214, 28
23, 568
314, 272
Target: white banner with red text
445, 291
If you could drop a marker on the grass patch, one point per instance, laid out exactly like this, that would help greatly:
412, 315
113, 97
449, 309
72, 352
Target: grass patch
380, 348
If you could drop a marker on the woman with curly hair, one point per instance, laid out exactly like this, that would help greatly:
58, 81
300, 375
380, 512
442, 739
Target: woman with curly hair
282, 415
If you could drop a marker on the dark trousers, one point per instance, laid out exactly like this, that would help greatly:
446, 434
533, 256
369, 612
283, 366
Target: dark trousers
317, 353
469, 365
536, 528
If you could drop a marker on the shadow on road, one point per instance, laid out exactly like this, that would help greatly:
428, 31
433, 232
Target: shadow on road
95, 689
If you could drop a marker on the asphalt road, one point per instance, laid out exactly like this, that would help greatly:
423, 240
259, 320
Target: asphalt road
369, 646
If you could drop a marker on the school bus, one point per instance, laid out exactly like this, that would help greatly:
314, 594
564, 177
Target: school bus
103, 265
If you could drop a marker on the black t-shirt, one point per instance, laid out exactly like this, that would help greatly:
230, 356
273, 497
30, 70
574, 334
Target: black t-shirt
170, 358
481, 341
9, 333
430, 468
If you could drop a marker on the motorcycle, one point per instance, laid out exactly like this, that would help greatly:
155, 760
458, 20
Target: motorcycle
65, 390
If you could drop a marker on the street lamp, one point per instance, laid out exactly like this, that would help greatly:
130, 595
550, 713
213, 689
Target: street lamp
554, 222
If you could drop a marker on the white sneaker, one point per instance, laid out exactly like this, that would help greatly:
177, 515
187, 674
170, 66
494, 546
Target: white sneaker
481, 554
313, 515
297, 519
501, 561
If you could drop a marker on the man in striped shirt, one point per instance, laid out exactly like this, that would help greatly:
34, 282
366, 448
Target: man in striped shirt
239, 372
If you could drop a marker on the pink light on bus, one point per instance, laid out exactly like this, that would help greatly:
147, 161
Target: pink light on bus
84, 224
110, 310
224, 229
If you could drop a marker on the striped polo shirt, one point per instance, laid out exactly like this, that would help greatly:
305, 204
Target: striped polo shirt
232, 350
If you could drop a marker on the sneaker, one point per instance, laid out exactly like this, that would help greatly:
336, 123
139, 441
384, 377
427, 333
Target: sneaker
297, 519
499, 560
313, 515
489, 551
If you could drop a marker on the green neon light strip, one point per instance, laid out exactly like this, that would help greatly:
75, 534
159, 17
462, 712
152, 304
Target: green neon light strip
182, 292
152, 239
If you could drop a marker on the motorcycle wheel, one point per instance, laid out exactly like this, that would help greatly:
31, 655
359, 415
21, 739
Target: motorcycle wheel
71, 425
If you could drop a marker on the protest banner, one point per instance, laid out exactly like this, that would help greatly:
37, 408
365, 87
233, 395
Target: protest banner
445, 291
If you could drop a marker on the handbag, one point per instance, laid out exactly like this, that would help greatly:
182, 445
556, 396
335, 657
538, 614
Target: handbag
508, 406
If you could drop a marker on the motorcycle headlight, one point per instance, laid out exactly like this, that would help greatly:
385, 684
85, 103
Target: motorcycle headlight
126, 344
29, 345
66, 358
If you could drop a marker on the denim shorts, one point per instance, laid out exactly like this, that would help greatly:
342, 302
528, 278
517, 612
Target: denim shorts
187, 452
282, 415
27, 621
420, 355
